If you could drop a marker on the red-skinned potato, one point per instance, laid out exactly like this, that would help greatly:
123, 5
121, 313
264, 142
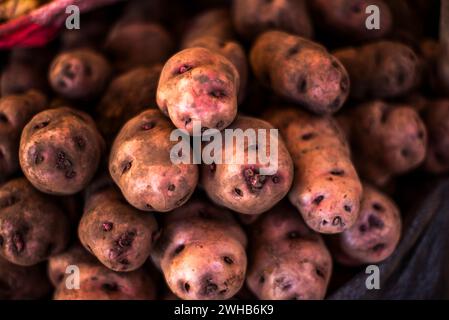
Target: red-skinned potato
201, 252
289, 261
374, 236
15, 112
326, 189
141, 165
32, 226
199, 85
300, 70
60, 150
240, 185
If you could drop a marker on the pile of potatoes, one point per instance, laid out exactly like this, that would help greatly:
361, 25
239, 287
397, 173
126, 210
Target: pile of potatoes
87, 182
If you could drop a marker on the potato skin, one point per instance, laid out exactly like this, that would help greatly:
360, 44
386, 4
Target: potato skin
382, 69
22, 283
253, 17
15, 112
326, 189
140, 165
60, 150
301, 71
374, 236
197, 84
201, 252
127, 95
240, 186
32, 226
120, 236
288, 261
387, 139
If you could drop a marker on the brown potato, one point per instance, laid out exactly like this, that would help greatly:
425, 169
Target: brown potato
60, 150
15, 112
201, 252
374, 236
289, 261
382, 69
141, 166
301, 71
238, 184
387, 139
252, 17
197, 84
326, 188
120, 236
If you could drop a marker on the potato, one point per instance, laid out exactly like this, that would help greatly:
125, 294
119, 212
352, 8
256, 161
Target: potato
199, 85
15, 112
80, 74
288, 261
201, 252
347, 18
127, 95
326, 188
22, 283
374, 236
300, 70
141, 166
238, 183
60, 150
253, 17
387, 139
120, 236
32, 226
135, 44
382, 69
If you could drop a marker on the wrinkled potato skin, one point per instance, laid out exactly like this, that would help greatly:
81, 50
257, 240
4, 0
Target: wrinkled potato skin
22, 283
301, 71
127, 96
79, 74
374, 236
253, 17
382, 69
387, 140
326, 188
140, 165
120, 236
197, 84
289, 260
60, 150
239, 186
201, 252
32, 226
15, 112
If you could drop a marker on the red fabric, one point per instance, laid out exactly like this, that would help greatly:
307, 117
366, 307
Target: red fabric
28, 35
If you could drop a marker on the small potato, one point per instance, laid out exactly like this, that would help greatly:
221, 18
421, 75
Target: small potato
32, 226
127, 95
374, 236
141, 166
382, 69
197, 84
60, 150
136, 44
80, 74
120, 236
326, 188
252, 17
289, 261
201, 252
387, 140
22, 283
238, 184
15, 112
301, 71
